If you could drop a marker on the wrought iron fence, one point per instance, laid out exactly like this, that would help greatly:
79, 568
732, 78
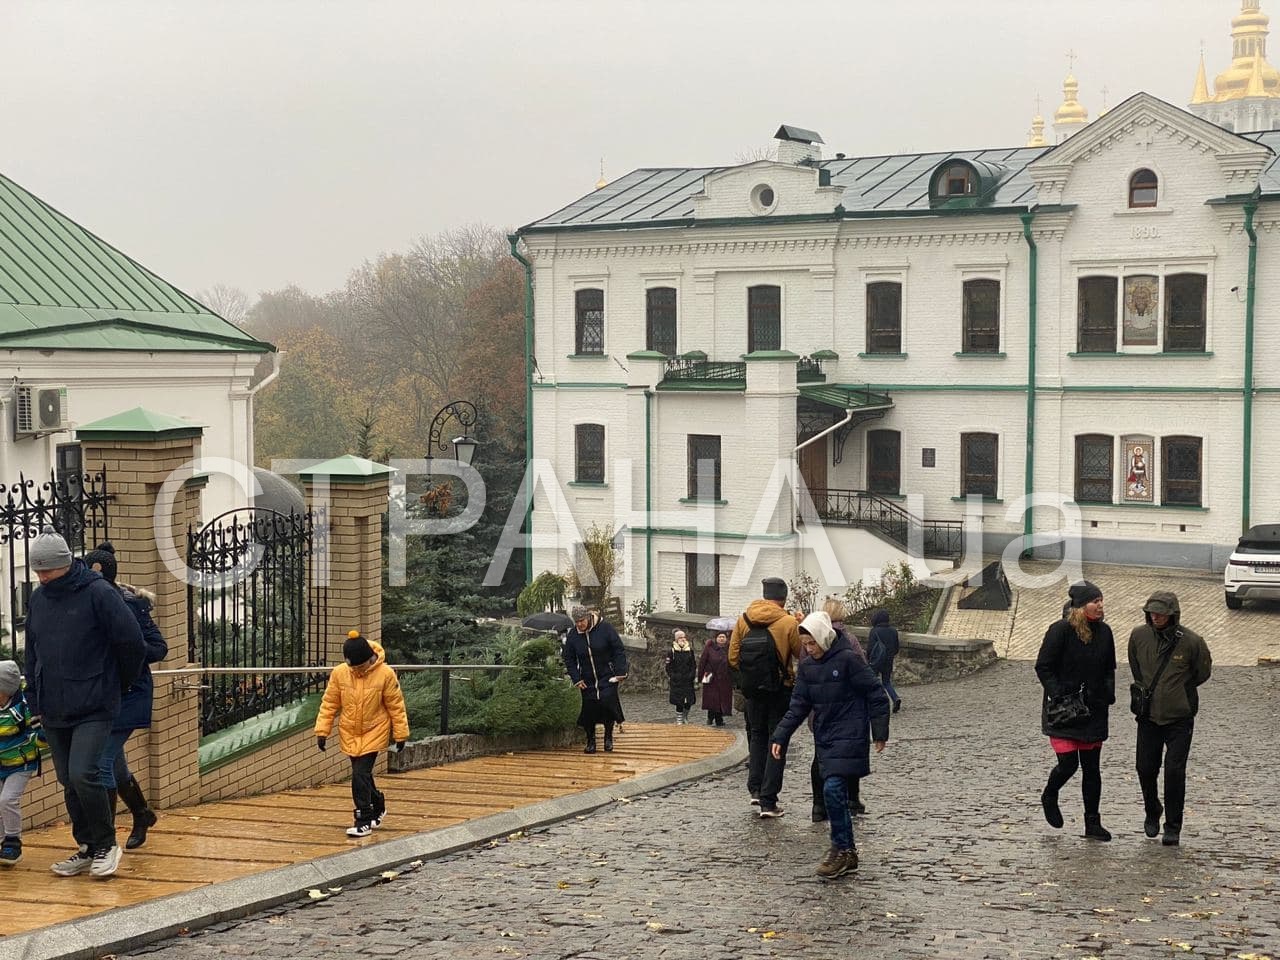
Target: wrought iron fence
809, 370
74, 504
860, 508
686, 368
256, 597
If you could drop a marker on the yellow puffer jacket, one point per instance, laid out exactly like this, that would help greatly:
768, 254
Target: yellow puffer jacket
371, 707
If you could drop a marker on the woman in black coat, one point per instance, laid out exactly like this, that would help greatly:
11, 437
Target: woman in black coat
1078, 654
681, 674
596, 663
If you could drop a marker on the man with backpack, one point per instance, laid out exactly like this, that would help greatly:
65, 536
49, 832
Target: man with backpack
763, 652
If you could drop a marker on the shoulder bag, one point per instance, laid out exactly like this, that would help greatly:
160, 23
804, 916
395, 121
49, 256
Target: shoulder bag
1139, 695
1067, 710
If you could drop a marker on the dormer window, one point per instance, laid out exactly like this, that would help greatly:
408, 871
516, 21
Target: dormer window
957, 180
1144, 188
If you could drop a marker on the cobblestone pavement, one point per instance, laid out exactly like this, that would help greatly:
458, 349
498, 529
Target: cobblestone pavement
957, 862
1240, 637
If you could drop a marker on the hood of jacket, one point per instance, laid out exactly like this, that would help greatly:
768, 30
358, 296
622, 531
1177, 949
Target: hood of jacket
379, 658
880, 618
818, 625
764, 612
141, 592
1164, 602
73, 581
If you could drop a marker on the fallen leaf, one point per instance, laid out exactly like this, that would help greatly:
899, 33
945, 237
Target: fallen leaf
1104, 909
390, 874
769, 935
416, 864
335, 889
562, 884
515, 836
317, 894
655, 925
892, 916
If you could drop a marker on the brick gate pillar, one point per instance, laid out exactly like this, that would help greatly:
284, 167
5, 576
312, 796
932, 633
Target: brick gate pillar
140, 450
349, 494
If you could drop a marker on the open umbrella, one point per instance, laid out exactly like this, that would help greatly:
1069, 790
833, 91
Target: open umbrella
555, 622
721, 624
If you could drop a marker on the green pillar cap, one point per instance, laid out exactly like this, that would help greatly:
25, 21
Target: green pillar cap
347, 469
777, 355
140, 424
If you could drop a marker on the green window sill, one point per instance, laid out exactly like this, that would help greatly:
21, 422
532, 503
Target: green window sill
1168, 355
588, 356
588, 483
963, 355
882, 356
983, 499
706, 500
1084, 504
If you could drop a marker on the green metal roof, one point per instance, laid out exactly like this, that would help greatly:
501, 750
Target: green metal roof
347, 469
64, 288
845, 396
140, 422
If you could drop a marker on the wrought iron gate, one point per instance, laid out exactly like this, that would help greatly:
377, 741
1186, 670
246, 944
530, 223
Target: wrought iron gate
75, 504
256, 596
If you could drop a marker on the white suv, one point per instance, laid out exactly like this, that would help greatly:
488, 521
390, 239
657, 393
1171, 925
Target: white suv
1253, 572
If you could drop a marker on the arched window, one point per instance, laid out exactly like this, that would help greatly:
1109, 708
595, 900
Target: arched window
957, 180
1144, 188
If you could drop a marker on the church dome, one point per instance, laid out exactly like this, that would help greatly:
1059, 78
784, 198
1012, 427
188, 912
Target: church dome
1249, 32
1072, 110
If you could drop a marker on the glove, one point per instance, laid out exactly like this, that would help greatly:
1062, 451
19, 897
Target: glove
320, 743
399, 745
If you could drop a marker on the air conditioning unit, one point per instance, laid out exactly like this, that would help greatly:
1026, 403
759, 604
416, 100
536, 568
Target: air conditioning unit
41, 409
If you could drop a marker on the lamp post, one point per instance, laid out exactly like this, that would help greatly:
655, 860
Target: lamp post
464, 447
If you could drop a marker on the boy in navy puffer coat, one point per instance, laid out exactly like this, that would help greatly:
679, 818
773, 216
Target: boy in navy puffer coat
846, 699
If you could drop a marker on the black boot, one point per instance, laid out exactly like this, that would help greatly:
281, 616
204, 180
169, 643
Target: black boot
144, 817
1093, 828
1052, 812
591, 745
819, 812
113, 801
608, 738
855, 796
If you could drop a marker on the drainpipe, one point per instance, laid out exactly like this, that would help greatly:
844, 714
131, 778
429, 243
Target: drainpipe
648, 498
1028, 486
514, 240
795, 462
1246, 483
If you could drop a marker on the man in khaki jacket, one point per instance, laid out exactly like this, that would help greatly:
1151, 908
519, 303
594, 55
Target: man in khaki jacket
1170, 662
766, 683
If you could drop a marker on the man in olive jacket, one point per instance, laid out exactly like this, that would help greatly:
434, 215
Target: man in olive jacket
1168, 726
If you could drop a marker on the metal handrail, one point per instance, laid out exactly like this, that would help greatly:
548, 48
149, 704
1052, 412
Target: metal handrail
870, 510
398, 667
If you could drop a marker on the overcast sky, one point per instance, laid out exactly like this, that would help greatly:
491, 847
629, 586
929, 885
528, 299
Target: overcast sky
258, 143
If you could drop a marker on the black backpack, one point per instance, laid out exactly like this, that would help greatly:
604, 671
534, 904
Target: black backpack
759, 671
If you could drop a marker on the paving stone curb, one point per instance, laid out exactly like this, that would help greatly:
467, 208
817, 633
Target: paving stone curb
128, 928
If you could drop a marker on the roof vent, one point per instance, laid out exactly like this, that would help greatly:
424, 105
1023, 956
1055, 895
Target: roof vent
796, 144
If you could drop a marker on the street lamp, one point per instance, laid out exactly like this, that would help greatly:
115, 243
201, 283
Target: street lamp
464, 447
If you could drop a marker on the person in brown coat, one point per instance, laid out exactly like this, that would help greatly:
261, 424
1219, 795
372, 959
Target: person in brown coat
717, 685
764, 650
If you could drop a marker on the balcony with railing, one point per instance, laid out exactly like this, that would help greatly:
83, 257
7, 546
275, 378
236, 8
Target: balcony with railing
693, 371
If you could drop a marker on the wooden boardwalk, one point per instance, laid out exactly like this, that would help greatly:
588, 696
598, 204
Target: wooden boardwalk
194, 846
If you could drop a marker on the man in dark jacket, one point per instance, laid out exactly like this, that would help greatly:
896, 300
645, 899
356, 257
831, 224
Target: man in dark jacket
848, 702
765, 704
83, 649
1169, 662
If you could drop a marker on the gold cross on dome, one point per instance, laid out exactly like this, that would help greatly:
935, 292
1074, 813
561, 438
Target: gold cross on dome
1071, 60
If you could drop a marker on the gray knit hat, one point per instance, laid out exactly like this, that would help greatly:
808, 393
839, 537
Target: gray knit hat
48, 551
10, 678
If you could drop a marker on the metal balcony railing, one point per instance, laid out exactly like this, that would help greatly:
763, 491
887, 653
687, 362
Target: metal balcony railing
942, 539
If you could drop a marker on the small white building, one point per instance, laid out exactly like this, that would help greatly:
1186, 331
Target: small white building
922, 334
87, 333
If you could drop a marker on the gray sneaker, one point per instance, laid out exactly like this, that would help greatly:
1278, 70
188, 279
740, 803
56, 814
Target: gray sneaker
74, 865
105, 862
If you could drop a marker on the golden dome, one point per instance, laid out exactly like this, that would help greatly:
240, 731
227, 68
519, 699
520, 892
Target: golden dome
1036, 139
602, 182
1072, 110
1249, 32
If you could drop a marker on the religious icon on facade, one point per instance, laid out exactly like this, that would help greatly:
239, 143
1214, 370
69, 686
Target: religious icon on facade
1141, 311
1139, 474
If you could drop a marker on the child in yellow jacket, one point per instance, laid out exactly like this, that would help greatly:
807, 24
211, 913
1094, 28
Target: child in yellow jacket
366, 693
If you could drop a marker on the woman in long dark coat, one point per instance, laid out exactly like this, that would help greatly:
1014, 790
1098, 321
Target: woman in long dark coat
717, 685
597, 663
1078, 652
681, 675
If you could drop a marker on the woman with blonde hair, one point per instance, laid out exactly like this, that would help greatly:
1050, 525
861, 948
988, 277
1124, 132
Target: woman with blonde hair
681, 675
1077, 668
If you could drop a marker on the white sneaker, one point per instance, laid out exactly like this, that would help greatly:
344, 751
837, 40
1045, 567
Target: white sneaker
377, 821
105, 862
360, 830
74, 865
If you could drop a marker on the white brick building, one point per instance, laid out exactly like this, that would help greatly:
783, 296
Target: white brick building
672, 308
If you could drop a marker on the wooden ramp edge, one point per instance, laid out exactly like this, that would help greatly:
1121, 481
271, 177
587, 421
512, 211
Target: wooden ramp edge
192, 847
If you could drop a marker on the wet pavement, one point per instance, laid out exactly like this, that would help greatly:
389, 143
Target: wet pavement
957, 861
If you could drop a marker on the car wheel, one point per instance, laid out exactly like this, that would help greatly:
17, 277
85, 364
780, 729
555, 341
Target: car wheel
1234, 602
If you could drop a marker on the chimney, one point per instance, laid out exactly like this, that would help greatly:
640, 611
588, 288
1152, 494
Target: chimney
797, 145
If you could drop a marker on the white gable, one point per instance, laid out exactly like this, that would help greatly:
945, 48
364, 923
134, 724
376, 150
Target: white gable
764, 188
